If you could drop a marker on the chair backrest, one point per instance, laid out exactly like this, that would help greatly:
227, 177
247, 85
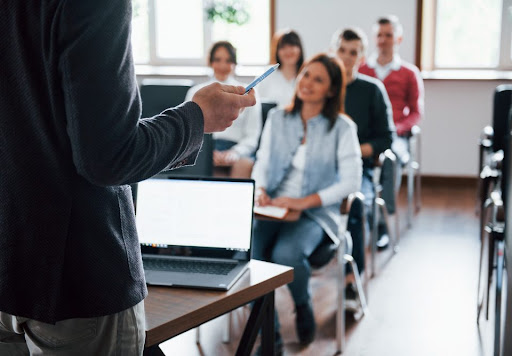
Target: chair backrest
501, 127
500, 116
265, 108
160, 94
387, 175
326, 250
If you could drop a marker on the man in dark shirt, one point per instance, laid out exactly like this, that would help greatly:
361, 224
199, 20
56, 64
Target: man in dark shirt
367, 103
71, 140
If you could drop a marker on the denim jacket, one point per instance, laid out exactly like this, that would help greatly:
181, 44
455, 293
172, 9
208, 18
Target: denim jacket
333, 161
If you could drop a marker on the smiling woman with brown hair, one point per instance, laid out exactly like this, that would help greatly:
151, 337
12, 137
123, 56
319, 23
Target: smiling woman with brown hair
309, 160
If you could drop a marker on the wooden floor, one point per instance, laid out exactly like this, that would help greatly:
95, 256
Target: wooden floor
422, 301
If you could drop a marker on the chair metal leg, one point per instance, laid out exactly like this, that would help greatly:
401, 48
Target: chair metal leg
417, 187
198, 335
415, 149
340, 312
484, 246
366, 273
226, 333
410, 192
393, 233
374, 234
490, 267
359, 285
500, 264
479, 301
396, 240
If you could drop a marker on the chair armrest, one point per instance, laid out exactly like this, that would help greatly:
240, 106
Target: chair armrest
497, 160
387, 154
486, 137
346, 204
415, 131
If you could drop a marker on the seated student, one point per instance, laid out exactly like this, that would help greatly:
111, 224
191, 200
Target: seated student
368, 105
402, 80
287, 51
403, 83
309, 160
235, 147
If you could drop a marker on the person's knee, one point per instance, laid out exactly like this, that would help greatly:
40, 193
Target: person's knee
288, 257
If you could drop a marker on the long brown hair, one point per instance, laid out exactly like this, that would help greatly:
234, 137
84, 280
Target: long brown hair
335, 104
228, 46
286, 37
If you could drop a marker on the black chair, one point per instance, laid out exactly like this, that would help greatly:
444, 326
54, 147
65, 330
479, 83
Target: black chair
493, 138
386, 197
413, 167
266, 106
501, 124
501, 108
340, 249
507, 201
160, 94
493, 186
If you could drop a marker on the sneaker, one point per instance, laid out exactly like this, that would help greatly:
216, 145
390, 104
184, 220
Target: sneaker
278, 346
352, 303
383, 242
305, 323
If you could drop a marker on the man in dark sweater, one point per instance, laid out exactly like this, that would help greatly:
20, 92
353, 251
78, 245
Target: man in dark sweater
71, 140
367, 103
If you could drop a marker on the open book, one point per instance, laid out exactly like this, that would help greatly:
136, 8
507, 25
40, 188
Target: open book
271, 211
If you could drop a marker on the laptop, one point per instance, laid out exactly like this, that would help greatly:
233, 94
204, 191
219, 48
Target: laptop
194, 231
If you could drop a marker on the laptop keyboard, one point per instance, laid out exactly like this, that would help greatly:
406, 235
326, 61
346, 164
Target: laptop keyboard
207, 267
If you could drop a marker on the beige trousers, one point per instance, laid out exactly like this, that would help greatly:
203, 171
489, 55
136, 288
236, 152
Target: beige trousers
117, 334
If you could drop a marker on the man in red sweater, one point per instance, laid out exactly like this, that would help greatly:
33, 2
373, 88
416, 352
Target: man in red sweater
405, 89
401, 79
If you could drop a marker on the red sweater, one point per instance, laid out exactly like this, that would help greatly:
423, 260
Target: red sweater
405, 90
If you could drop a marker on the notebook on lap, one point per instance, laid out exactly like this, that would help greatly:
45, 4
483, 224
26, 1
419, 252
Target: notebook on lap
195, 232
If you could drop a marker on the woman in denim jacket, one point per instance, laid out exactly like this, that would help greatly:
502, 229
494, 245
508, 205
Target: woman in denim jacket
309, 160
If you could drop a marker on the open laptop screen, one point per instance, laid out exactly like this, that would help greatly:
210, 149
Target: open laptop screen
195, 212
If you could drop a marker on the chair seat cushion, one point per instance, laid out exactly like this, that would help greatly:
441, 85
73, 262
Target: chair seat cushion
323, 253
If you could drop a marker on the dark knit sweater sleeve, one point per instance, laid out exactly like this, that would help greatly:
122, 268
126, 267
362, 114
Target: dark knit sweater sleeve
110, 144
382, 127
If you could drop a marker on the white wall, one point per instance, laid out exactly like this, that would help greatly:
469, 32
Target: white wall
316, 21
455, 111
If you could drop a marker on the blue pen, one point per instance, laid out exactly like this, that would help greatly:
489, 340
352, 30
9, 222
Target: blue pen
261, 77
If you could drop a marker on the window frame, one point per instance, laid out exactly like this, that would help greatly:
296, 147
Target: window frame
426, 39
155, 60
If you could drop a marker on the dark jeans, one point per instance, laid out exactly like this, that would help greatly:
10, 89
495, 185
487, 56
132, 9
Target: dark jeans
290, 244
